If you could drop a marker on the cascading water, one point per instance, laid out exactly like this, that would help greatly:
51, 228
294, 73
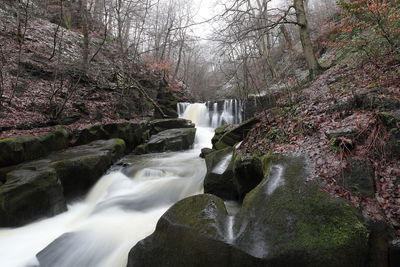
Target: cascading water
213, 114
228, 111
121, 209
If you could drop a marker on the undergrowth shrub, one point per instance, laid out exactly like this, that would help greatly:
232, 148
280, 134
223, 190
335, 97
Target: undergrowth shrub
372, 27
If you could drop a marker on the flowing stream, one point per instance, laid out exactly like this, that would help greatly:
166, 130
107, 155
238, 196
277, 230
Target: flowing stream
120, 210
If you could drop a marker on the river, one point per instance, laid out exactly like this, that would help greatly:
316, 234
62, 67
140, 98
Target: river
120, 210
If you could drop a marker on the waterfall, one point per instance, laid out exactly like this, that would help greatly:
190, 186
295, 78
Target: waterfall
197, 113
181, 108
213, 113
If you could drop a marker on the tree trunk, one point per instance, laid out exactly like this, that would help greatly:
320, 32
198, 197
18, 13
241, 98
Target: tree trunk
312, 62
85, 31
286, 36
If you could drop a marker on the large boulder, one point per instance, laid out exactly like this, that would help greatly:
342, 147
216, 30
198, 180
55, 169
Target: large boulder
30, 194
38, 188
55, 141
169, 140
231, 174
219, 179
87, 249
132, 133
288, 221
248, 173
191, 233
233, 136
79, 168
284, 221
156, 126
219, 132
15, 150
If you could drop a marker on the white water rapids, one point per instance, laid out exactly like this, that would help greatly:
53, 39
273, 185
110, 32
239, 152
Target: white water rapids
120, 210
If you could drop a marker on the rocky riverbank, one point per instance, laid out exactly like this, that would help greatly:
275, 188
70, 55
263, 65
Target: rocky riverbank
39, 174
284, 219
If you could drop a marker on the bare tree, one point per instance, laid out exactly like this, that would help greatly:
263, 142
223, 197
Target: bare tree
309, 54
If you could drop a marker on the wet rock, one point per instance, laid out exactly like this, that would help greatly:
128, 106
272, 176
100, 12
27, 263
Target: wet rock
160, 125
37, 188
248, 173
132, 133
219, 132
169, 140
80, 167
219, 179
358, 178
235, 135
205, 151
284, 221
12, 150
28, 195
87, 250
287, 221
55, 141
15, 150
93, 133
191, 233
231, 175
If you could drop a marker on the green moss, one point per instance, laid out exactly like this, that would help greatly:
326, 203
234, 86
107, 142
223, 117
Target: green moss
267, 161
300, 220
119, 142
221, 129
7, 140
200, 213
142, 149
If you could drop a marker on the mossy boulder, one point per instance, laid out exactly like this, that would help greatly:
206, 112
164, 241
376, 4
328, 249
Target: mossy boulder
206, 151
27, 147
11, 151
284, 221
80, 167
219, 132
38, 188
191, 233
28, 195
248, 172
288, 221
235, 135
219, 179
93, 133
169, 140
56, 140
231, 174
133, 134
